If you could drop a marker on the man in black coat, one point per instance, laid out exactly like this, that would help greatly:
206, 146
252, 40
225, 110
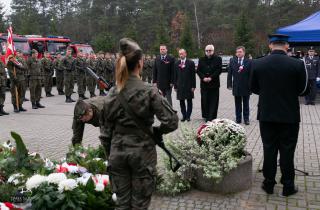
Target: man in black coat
238, 80
279, 80
163, 73
313, 67
184, 83
209, 70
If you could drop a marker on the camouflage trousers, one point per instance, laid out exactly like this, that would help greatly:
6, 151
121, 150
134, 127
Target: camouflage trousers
48, 83
133, 176
2, 94
81, 82
17, 88
25, 87
68, 84
59, 81
35, 90
91, 84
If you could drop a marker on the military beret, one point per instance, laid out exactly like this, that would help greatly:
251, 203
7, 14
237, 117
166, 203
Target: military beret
80, 109
278, 38
33, 51
311, 49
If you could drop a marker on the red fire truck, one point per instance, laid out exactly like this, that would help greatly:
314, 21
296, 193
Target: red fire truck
52, 44
85, 48
20, 43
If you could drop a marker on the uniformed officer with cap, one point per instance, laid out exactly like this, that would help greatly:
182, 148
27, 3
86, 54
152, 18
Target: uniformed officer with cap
279, 80
86, 112
313, 66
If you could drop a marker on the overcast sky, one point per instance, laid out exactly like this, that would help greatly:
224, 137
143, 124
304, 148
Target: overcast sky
6, 4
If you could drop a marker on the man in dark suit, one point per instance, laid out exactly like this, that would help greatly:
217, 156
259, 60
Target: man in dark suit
184, 83
163, 73
238, 80
209, 70
279, 80
313, 66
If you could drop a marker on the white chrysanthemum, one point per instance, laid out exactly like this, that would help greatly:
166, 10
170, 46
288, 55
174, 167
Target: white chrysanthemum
84, 178
71, 169
56, 178
14, 178
67, 185
106, 163
34, 181
97, 159
99, 187
114, 197
7, 145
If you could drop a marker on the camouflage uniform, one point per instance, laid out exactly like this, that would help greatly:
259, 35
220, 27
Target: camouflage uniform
34, 66
109, 70
147, 70
25, 82
80, 65
91, 82
68, 68
3, 83
132, 153
57, 65
47, 69
77, 125
17, 81
100, 69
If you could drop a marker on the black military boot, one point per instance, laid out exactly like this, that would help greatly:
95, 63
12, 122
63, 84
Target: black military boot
61, 92
15, 109
25, 99
68, 99
48, 94
21, 109
34, 106
39, 105
2, 112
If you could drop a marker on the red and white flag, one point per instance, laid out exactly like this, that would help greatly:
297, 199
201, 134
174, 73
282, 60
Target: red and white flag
10, 46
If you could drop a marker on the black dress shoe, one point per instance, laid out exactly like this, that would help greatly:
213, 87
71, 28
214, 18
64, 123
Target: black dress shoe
238, 121
268, 189
312, 103
34, 106
183, 119
39, 105
287, 191
247, 122
188, 119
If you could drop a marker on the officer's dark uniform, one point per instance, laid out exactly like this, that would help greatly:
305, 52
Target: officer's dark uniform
313, 67
278, 80
96, 104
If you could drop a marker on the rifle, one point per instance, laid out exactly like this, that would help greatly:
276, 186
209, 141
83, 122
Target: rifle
101, 82
156, 135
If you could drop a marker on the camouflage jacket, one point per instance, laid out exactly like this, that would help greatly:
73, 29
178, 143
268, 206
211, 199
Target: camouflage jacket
80, 65
57, 66
78, 126
24, 65
3, 75
119, 129
100, 67
34, 66
19, 71
68, 65
47, 67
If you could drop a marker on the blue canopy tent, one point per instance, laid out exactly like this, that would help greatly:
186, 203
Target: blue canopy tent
304, 33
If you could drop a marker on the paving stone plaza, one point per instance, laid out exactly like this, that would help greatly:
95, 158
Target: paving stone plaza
48, 131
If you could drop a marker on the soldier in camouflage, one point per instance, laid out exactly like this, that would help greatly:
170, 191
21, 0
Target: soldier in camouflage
47, 69
147, 69
86, 112
131, 152
34, 66
109, 68
3, 86
80, 65
17, 79
57, 65
68, 69
100, 68
25, 82
91, 82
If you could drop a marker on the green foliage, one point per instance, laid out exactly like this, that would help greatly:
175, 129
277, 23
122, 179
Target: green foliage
104, 42
45, 197
21, 150
243, 34
98, 200
187, 40
6, 192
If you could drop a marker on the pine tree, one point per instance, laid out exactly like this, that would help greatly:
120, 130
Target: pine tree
186, 40
243, 34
